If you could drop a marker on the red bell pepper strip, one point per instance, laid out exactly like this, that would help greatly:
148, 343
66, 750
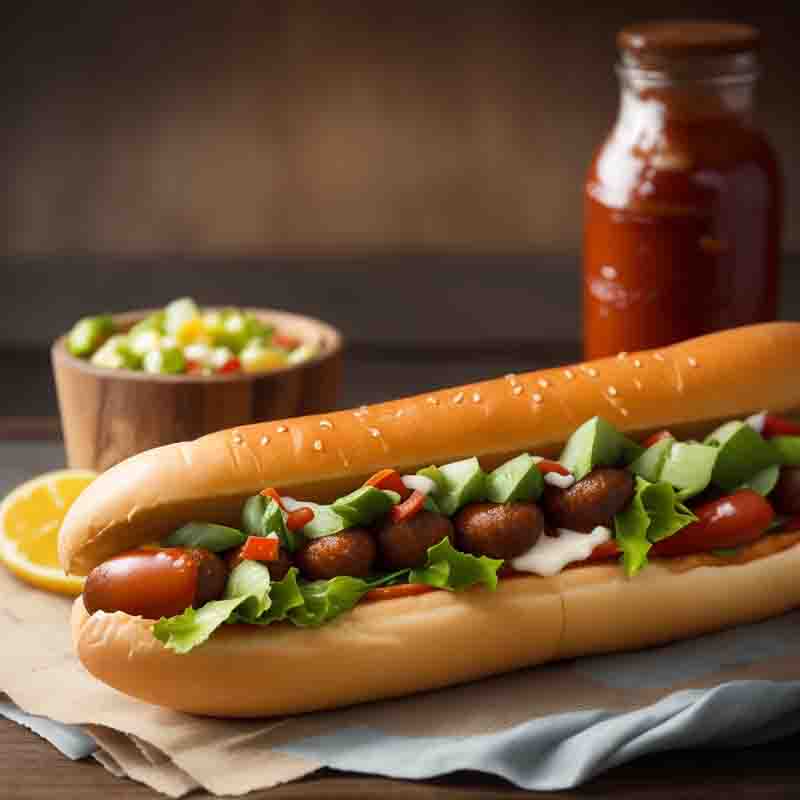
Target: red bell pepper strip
408, 508
779, 426
389, 479
231, 365
605, 551
261, 548
545, 465
656, 437
299, 518
273, 495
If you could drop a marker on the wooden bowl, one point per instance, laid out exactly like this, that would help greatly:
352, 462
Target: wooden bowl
108, 415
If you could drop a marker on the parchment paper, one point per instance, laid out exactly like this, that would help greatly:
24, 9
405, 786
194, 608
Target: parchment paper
548, 727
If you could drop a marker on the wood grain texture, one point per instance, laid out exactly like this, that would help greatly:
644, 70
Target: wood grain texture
260, 127
108, 415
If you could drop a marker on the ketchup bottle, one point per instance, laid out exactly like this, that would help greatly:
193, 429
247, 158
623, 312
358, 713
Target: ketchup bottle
683, 200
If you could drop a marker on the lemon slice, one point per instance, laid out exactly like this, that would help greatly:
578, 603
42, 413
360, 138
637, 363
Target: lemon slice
30, 518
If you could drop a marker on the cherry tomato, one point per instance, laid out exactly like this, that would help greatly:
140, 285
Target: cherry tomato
656, 437
779, 426
736, 519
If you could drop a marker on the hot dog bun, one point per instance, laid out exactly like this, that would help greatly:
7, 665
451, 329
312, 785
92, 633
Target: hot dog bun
688, 387
400, 646
411, 644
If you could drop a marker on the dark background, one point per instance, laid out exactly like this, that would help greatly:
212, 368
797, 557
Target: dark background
411, 172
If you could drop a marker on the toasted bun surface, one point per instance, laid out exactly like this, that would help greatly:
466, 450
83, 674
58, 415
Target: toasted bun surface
405, 645
397, 647
688, 387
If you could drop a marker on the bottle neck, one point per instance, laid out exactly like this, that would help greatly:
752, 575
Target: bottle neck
721, 87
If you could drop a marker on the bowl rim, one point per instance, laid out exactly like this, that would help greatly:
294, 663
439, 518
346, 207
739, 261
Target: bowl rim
328, 337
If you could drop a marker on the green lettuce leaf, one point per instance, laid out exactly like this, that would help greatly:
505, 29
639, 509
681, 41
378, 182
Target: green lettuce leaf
325, 600
250, 581
246, 598
653, 514
190, 629
448, 568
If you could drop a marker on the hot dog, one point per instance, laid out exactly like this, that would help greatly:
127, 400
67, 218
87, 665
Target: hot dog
555, 474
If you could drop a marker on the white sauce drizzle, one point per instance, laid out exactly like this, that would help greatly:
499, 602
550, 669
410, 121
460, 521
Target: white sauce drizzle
756, 421
557, 479
419, 483
551, 554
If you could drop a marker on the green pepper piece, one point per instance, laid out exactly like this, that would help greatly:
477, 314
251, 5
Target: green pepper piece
742, 453
88, 334
364, 505
207, 535
434, 474
252, 514
272, 521
517, 480
165, 361
763, 482
464, 482
114, 353
788, 449
597, 443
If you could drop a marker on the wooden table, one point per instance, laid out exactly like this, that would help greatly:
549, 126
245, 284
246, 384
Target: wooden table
30, 768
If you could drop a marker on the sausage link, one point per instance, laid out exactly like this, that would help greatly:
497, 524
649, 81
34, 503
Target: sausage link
498, 530
590, 502
405, 544
350, 553
155, 583
786, 494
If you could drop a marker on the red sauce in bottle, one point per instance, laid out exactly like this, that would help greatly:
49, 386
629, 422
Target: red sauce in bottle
683, 200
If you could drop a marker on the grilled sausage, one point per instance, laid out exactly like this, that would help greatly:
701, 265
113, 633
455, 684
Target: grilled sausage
350, 553
786, 494
498, 530
155, 583
590, 502
405, 544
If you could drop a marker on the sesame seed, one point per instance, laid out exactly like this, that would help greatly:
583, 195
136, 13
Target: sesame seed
543, 382
622, 355
612, 391
637, 383
511, 377
476, 397
326, 424
374, 432
692, 361
537, 398
569, 374
238, 438
433, 401
317, 445
591, 372
624, 412
637, 363
459, 398
399, 413
517, 390
281, 429
264, 440
658, 357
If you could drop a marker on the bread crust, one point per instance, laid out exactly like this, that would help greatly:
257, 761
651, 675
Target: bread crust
690, 387
397, 647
